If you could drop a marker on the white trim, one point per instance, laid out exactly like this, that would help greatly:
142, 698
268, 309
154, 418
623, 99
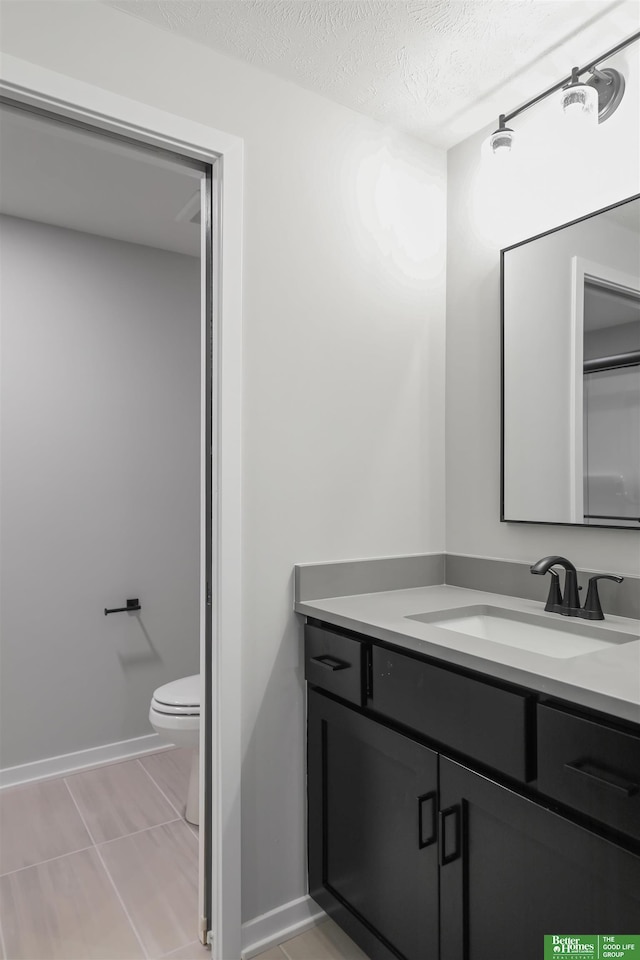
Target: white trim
67, 97
82, 760
576, 367
226, 582
204, 442
278, 925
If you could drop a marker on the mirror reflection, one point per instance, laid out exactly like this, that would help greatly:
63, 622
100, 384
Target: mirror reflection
571, 373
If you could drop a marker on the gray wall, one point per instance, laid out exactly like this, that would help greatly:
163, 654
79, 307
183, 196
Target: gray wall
552, 179
100, 485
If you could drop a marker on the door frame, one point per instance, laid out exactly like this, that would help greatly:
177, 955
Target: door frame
30, 85
583, 270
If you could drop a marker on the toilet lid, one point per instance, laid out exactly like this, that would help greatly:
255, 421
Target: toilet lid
180, 693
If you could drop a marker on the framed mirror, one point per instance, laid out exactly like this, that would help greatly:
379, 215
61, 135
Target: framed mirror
570, 312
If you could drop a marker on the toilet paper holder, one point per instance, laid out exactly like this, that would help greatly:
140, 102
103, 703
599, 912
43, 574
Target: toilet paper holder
131, 607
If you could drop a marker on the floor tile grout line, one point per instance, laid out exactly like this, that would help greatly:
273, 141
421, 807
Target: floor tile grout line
157, 785
127, 836
109, 877
80, 813
281, 947
192, 943
60, 856
104, 843
145, 952
132, 833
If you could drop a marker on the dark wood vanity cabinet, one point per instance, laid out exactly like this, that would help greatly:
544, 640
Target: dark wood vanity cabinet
373, 831
420, 851
591, 767
493, 725
523, 871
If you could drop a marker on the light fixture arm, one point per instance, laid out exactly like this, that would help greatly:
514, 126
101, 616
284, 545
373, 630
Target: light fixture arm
603, 77
576, 72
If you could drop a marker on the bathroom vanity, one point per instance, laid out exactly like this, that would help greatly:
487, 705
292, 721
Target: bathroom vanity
465, 796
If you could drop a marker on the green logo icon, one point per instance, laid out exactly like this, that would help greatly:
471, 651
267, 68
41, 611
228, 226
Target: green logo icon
592, 947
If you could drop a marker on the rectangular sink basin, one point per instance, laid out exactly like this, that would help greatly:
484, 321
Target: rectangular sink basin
526, 631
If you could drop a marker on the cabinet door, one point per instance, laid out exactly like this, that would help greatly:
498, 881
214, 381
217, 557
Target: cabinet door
373, 862
516, 871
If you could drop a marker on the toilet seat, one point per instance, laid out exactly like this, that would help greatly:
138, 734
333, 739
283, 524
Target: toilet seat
180, 697
172, 711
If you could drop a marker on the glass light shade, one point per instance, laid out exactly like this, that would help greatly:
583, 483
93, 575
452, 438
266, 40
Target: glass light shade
579, 102
501, 141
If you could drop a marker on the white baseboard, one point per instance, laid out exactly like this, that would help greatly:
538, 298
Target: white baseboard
279, 925
82, 760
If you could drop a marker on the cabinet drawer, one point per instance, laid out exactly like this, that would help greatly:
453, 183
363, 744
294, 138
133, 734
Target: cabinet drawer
591, 767
473, 717
334, 662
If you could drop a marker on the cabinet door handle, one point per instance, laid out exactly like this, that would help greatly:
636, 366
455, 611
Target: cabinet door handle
330, 663
445, 817
592, 772
429, 819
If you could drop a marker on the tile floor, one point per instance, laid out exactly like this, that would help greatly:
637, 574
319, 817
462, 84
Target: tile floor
101, 865
324, 942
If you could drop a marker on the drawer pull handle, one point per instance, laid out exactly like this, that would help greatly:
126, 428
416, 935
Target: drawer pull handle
432, 836
592, 772
330, 663
454, 812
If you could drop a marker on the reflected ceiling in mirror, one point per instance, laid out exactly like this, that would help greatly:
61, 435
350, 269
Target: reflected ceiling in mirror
570, 303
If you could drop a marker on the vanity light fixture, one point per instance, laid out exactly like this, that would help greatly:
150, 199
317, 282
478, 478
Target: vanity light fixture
598, 97
609, 85
501, 139
579, 101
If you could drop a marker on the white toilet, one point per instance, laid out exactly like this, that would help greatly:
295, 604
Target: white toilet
175, 714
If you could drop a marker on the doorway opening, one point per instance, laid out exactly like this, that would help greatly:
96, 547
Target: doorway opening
107, 512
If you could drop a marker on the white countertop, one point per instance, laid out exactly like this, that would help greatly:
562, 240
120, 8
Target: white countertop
606, 680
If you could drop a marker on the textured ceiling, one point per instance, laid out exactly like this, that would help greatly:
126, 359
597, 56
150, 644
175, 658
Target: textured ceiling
433, 68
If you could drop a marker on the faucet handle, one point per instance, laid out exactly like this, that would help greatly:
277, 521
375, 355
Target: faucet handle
592, 609
554, 599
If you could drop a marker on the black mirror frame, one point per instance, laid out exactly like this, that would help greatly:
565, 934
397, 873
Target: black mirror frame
520, 243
